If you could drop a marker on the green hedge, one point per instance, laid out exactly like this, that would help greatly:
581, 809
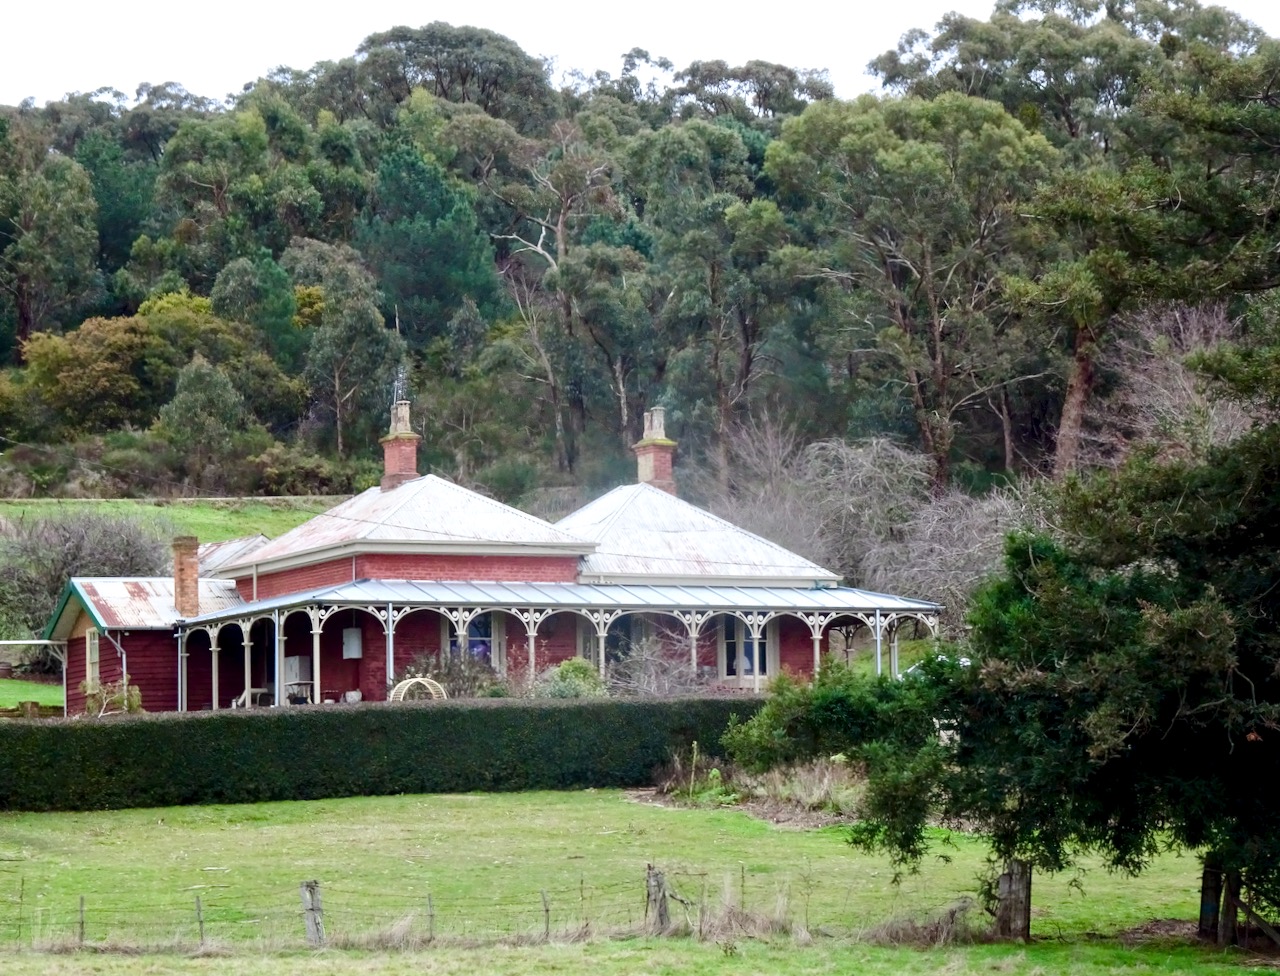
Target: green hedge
245, 756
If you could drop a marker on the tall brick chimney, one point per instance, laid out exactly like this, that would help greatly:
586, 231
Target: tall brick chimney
655, 454
399, 449
186, 576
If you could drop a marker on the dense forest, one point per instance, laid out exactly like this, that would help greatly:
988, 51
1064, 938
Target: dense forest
928, 301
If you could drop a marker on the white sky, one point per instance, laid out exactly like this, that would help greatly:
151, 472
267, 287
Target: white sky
57, 46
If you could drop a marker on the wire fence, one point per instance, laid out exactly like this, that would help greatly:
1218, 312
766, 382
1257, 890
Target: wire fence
351, 915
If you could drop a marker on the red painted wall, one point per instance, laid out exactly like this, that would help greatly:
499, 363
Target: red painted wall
153, 666
75, 675
199, 673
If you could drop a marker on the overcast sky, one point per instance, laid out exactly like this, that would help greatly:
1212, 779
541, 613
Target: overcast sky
58, 46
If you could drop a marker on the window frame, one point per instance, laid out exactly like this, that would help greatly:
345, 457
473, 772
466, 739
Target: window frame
743, 632
92, 658
497, 638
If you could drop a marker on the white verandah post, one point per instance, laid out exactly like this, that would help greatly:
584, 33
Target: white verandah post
182, 671
756, 624
246, 629
390, 624
317, 625
278, 691
532, 620
216, 657
879, 636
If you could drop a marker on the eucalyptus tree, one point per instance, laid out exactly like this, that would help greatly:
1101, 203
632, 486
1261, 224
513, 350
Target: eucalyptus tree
726, 257
1188, 216
915, 205
48, 233
1073, 70
1083, 73
469, 65
353, 358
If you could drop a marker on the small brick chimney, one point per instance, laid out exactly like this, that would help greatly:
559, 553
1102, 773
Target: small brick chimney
655, 454
399, 449
186, 576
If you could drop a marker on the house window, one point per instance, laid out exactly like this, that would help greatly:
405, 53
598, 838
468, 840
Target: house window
624, 634
91, 669
741, 656
485, 639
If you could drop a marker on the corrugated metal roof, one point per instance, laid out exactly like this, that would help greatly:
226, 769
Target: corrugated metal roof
584, 596
427, 510
641, 531
146, 603
213, 556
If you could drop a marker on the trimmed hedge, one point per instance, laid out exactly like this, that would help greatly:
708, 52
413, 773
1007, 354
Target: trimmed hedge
246, 756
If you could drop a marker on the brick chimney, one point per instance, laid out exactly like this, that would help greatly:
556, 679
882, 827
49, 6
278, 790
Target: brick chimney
399, 449
655, 453
186, 576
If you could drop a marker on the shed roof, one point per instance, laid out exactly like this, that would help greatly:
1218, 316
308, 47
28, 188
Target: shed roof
132, 603
642, 532
427, 513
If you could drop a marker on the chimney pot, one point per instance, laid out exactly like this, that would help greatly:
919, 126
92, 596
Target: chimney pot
399, 449
655, 454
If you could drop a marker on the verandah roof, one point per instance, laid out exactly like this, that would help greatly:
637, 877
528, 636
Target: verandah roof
580, 596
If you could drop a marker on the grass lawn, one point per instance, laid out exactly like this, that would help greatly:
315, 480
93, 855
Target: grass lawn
669, 957
211, 521
484, 861
13, 691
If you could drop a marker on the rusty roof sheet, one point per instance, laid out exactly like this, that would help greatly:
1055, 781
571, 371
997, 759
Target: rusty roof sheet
146, 603
643, 533
426, 511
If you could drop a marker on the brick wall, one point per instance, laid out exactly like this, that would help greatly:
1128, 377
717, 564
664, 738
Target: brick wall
795, 646
510, 569
297, 580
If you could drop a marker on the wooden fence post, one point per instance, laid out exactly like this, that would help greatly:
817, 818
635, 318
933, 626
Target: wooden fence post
81, 940
655, 907
200, 919
431, 919
312, 912
546, 917
1229, 917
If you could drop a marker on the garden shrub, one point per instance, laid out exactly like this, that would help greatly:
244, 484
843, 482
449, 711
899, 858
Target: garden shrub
574, 678
368, 749
837, 714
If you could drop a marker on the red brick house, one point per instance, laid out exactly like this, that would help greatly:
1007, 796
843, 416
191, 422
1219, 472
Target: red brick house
420, 566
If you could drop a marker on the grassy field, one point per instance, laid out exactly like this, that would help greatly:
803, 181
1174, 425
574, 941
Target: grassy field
13, 691
485, 860
669, 957
210, 521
